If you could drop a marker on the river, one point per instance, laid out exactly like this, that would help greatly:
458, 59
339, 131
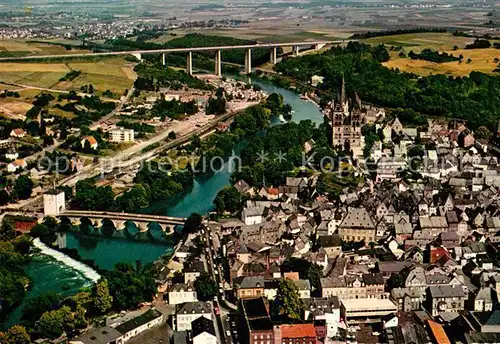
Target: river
48, 274
107, 252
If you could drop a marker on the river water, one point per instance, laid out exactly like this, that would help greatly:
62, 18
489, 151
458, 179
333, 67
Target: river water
48, 274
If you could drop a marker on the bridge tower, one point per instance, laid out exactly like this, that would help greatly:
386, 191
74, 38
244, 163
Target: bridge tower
54, 202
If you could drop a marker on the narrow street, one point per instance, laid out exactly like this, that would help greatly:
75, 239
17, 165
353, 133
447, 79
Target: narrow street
221, 312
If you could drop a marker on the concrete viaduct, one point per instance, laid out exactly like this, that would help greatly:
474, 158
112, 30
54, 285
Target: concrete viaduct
142, 221
273, 47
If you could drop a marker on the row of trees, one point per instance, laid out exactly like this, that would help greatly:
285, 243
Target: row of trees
434, 56
174, 108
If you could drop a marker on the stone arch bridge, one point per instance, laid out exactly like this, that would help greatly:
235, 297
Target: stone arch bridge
119, 220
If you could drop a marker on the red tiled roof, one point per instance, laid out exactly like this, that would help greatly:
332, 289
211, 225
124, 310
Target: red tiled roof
18, 131
298, 331
91, 140
273, 191
438, 332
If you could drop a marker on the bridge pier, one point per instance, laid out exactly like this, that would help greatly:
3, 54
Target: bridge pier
295, 49
218, 64
119, 225
75, 221
143, 226
98, 223
248, 61
189, 67
274, 54
163, 58
318, 46
166, 228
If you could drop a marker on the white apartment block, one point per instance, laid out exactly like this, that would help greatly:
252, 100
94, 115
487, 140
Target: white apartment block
122, 135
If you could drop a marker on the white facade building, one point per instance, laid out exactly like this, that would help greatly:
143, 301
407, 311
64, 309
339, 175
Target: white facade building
54, 202
188, 312
181, 293
122, 135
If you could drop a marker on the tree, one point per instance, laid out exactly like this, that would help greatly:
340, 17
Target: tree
36, 306
4, 197
287, 303
23, 187
7, 230
17, 334
130, 286
228, 199
205, 287
53, 324
482, 133
137, 197
46, 230
171, 135
193, 223
314, 274
102, 300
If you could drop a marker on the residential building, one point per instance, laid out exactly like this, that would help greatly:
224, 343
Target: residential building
357, 226
181, 293
331, 244
90, 141
249, 287
122, 135
445, 298
203, 331
139, 324
18, 132
192, 271
102, 335
295, 334
186, 313
484, 299
18, 164
256, 324
324, 309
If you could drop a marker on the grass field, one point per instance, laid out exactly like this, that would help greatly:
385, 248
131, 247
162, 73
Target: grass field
23, 48
114, 74
482, 61
265, 33
441, 41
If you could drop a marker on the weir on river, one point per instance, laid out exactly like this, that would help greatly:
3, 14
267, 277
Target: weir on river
88, 272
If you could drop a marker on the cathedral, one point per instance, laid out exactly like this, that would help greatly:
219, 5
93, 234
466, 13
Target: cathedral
346, 124
347, 120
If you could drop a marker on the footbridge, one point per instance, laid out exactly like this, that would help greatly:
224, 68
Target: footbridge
273, 53
119, 220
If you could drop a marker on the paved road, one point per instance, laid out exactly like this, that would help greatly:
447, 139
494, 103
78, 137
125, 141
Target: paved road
117, 109
173, 50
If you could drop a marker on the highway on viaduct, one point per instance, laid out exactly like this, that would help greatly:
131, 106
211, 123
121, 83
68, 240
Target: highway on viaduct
175, 50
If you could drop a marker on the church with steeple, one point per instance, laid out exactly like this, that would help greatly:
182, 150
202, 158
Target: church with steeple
347, 118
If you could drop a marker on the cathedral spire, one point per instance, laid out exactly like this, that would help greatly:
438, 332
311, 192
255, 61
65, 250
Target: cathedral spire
342, 92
